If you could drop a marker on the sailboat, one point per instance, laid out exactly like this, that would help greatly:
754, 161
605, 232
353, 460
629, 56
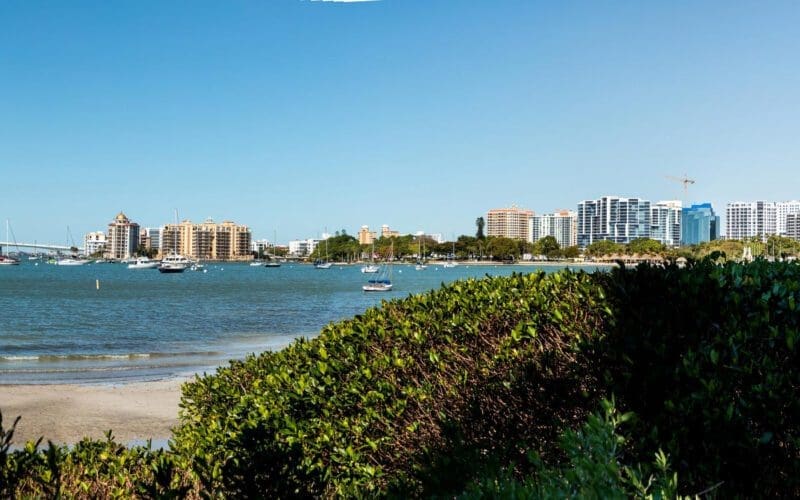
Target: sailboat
371, 268
323, 264
451, 260
72, 260
174, 262
383, 281
421, 262
5, 259
272, 260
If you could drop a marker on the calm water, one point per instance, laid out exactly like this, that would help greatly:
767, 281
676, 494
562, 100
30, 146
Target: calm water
55, 326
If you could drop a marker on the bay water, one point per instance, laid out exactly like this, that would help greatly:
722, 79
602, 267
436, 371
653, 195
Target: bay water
57, 326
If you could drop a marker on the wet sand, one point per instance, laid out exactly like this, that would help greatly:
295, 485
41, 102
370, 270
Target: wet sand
66, 413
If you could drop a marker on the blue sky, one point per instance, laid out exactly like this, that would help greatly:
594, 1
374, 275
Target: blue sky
293, 116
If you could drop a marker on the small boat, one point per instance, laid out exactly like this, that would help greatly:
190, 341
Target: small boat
321, 264
450, 264
382, 282
7, 260
144, 263
72, 261
370, 268
256, 263
272, 263
174, 263
420, 266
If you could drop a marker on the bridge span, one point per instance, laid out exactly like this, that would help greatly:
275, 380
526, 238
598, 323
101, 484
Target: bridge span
35, 246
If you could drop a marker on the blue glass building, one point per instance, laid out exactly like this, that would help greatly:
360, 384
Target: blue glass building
699, 224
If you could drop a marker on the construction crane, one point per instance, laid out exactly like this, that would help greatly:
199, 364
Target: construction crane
685, 180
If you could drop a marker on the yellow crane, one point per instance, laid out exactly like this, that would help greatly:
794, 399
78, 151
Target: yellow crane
685, 180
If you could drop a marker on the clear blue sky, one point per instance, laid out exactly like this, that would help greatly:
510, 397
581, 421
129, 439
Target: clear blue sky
294, 116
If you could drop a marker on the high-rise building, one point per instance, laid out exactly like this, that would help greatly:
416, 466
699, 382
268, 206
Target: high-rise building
756, 219
510, 222
612, 218
151, 238
122, 238
562, 225
365, 236
665, 222
699, 224
793, 226
94, 242
782, 210
209, 240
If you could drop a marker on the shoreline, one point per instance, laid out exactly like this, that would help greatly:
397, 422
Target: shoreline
66, 413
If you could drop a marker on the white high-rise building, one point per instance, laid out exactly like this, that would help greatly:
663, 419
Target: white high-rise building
665, 222
782, 210
750, 219
612, 218
562, 225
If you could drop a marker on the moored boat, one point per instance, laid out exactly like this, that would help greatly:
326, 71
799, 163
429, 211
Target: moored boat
144, 263
174, 263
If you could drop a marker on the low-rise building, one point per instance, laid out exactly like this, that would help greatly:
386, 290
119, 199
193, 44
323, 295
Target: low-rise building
365, 236
388, 233
302, 248
94, 242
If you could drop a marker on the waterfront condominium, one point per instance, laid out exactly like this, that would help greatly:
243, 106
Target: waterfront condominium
509, 223
699, 224
561, 225
750, 219
208, 240
665, 222
612, 218
783, 209
365, 236
793, 226
94, 242
122, 238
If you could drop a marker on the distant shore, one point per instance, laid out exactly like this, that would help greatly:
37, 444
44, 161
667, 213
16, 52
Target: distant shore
66, 413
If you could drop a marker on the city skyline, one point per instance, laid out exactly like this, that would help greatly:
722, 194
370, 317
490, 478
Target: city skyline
294, 116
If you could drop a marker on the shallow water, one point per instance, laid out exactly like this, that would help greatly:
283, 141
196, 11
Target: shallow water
56, 326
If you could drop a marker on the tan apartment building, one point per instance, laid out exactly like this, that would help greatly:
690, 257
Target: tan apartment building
365, 236
208, 240
509, 223
122, 238
388, 233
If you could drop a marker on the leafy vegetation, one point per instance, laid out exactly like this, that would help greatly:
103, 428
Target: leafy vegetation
488, 388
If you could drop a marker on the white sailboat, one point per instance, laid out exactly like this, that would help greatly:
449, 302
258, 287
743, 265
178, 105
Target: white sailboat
5, 258
383, 281
371, 268
451, 260
74, 259
421, 262
323, 264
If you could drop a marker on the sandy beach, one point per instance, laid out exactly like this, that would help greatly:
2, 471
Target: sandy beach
66, 413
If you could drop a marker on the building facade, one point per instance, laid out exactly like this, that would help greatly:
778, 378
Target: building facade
94, 242
562, 225
302, 248
665, 222
612, 218
365, 236
122, 238
388, 233
207, 241
783, 209
756, 219
793, 226
699, 224
150, 238
511, 223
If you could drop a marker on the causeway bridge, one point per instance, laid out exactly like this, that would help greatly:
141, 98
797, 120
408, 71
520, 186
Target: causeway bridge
8, 245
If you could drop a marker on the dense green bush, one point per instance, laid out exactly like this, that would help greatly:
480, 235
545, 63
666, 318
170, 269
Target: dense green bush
412, 397
433, 395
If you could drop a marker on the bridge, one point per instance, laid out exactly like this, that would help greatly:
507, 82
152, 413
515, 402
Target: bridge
36, 246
